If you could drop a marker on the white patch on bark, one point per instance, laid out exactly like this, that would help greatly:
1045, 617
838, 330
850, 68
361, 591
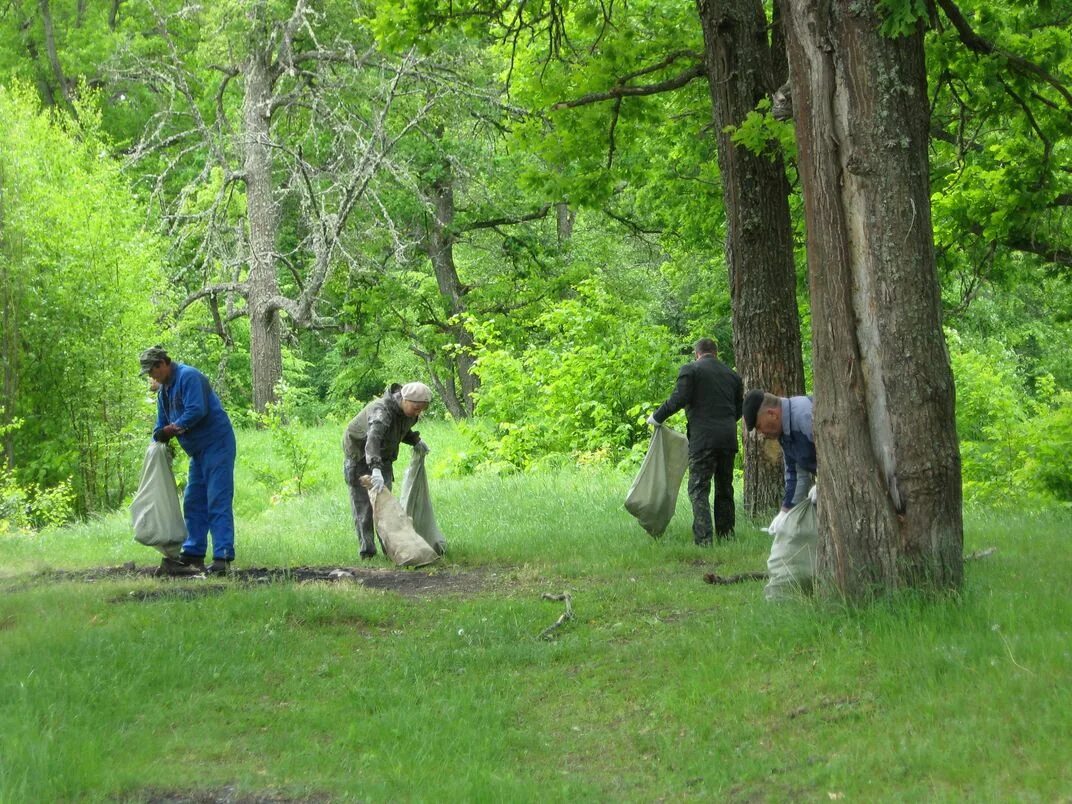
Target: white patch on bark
862, 256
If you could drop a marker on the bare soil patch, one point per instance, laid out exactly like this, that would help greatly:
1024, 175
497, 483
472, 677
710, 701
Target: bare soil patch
224, 795
409, 582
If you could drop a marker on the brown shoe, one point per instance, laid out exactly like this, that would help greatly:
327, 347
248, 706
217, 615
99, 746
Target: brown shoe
176, 567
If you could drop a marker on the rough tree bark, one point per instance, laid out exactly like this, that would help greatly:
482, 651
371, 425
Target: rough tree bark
266, 355
889, 464
740, 65
439, 244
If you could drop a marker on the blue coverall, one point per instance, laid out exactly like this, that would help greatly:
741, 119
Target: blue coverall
188, 401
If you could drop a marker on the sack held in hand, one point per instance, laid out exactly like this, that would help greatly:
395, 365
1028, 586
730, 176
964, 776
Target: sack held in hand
653, 496
155, 512
400, 541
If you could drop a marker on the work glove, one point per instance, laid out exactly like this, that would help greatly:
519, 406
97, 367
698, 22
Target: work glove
421, 448
813, 494
166, 433
652, 422
377, 481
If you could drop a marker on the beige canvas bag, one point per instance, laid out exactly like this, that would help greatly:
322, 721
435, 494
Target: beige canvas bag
400, 541
653, 495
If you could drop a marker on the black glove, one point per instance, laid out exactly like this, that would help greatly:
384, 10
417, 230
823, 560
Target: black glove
166, 433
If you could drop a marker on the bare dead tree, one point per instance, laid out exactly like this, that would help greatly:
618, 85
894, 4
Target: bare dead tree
302, 124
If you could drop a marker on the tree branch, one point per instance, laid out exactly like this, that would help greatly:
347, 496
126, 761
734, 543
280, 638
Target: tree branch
492, 223
619, 91
979, 44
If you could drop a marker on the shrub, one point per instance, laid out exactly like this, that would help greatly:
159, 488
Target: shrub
593, 370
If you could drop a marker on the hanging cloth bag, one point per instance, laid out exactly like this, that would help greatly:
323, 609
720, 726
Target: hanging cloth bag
155, 512
653, 495
417, 503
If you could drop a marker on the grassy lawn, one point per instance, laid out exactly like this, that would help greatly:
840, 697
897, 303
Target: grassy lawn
662, 687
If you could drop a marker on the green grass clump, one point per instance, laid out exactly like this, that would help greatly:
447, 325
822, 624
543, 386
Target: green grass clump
662, 687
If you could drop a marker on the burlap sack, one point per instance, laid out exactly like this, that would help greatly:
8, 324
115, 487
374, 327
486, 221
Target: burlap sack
653, 495
791, 565
400, 541
417, 502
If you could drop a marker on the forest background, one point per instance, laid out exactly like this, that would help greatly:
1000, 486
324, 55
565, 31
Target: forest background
309, 201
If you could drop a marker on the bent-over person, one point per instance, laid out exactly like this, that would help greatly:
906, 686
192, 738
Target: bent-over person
370, 447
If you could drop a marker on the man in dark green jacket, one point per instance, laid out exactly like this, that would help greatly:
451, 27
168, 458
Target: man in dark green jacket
711, 394
370, 447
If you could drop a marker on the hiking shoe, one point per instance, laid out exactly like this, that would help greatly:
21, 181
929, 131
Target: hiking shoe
368, 556
219, 566
197, 562
178, 568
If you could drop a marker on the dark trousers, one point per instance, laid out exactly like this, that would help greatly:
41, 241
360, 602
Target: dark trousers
703, 466
361, 505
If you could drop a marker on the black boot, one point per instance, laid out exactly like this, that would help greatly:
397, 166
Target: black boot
219, 566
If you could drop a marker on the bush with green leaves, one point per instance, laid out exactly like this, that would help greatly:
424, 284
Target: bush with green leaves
1015, 439
79, 294
29, 507
287, 443
581, 389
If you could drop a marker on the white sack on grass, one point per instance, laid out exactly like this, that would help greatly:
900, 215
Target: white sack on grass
155, 512
417, 502
400, 541
653, 495
791, 565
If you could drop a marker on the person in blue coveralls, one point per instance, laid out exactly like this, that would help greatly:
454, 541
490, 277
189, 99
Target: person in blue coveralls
188, 409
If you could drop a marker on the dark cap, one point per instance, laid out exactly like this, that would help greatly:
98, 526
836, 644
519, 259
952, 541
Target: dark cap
150, 357
750, 408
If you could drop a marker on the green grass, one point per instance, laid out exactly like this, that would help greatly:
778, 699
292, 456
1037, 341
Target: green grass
663, 687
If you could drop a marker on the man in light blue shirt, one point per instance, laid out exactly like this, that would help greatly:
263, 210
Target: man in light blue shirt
790, 421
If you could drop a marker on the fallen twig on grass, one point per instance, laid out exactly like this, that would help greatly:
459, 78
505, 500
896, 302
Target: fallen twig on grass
981, 554
711, 577
566, 615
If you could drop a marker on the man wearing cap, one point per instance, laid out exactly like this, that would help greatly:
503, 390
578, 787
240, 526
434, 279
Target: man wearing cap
710, 392
790, 421
188, 409
370, 447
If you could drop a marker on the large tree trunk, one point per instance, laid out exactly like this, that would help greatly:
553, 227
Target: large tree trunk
889, 465
440, 243
266, 356
759, 236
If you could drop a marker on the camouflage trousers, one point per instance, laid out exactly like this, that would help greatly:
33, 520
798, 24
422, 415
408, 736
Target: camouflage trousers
704, 466
361, 505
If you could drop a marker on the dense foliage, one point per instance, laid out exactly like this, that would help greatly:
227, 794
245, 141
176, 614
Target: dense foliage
79, 285
499, 204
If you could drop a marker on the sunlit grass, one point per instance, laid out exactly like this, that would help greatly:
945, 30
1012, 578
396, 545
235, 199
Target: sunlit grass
662, 687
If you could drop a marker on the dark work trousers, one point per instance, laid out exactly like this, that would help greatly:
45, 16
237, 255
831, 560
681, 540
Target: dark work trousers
703, 466
361, 505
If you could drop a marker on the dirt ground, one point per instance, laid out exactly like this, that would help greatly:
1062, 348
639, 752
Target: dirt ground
410, 582
222, 796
